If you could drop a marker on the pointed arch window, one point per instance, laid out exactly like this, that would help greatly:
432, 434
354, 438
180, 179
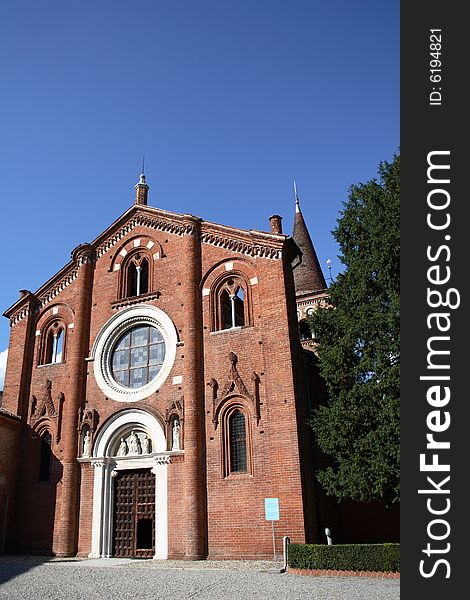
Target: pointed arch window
237, 440
54, 345
136, 276
232, 305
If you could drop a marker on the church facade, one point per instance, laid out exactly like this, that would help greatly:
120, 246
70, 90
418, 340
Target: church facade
156, 393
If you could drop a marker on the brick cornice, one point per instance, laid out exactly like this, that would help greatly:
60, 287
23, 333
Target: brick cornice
246, 242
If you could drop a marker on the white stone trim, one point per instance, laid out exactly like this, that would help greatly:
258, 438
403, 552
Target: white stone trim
106, 468
254, 280
108, 336
229, 266
161, 510
177, 379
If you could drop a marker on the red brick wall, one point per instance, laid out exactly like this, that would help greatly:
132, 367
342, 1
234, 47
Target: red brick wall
86, 509
227, 513
237, 525
176, 509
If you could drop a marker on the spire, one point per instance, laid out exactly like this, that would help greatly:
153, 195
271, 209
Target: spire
308, 276
297, 205
141, 188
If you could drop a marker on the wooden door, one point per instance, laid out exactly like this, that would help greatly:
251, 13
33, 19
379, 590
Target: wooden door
134, 514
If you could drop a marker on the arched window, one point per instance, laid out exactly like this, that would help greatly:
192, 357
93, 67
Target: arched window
136, 276
231, 304
304, 331
237, 442
45, 457
236, 439
53, 349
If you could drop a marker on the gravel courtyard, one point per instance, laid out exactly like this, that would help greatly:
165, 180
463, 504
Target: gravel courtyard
35, 578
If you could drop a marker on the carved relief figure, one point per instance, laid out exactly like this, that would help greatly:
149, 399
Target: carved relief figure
134, 444
123, 449
147, 446
176, 435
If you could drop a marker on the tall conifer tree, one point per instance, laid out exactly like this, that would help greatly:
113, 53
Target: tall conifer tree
359, 350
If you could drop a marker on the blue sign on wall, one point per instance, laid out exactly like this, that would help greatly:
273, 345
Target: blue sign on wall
271, 508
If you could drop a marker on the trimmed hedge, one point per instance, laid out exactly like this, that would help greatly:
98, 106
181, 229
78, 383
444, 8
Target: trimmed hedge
345, 557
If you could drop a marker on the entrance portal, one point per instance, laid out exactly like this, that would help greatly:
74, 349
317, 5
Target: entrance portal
134, 514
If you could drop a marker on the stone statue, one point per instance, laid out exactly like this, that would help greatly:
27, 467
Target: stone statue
122, 450
147, 446
176, 435
86, 444
134, 444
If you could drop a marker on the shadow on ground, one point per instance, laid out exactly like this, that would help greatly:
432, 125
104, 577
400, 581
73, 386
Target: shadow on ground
12, 565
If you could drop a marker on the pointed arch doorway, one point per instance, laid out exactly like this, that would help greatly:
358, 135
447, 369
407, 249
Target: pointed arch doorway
130, 496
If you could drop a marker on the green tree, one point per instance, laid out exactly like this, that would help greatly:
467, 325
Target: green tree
359, 350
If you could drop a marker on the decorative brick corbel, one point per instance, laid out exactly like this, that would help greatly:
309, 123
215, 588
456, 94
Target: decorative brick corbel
234, 386
46, 409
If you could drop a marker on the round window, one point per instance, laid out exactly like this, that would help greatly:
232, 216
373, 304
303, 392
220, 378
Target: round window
134, 353
138, 356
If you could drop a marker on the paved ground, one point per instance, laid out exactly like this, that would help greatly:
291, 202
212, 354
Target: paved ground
34, 578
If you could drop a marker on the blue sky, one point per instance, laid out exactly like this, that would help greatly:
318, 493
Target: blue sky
229, 100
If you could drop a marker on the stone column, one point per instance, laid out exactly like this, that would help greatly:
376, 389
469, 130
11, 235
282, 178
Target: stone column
194, 429
160, 470
98, 499
76, 352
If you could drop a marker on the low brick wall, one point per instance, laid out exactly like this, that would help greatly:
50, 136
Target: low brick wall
331, 573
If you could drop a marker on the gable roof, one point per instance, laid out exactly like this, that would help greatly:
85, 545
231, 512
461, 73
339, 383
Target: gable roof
247, 242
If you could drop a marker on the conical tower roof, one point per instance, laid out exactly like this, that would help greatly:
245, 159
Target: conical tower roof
308, 276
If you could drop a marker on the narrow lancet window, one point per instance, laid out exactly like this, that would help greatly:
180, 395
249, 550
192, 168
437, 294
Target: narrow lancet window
226, 309
45, 457
239, 308
143, 287
132, 279
237, 432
